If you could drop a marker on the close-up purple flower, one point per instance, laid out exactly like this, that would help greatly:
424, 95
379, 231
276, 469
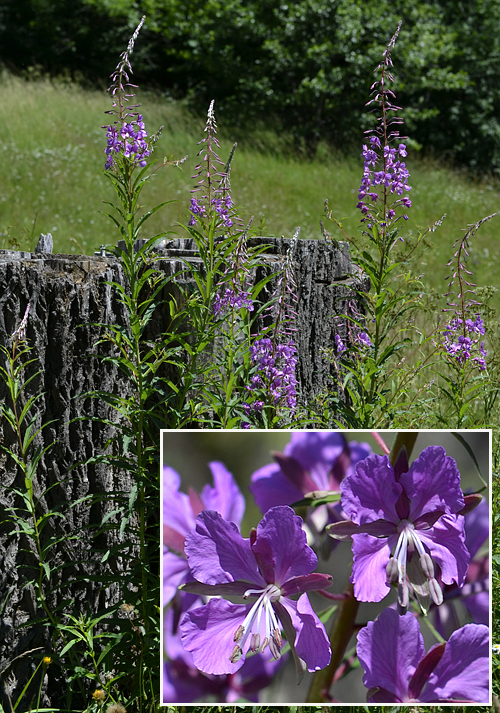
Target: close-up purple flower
183, 683
398, 670
339, 345
310, 461
179, 517
405, 525
274, 564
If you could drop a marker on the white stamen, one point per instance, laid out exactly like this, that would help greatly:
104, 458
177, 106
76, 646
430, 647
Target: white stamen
252, 623
236, 654
408, 537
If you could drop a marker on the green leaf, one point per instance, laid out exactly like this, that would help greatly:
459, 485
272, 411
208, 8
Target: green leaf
316, 498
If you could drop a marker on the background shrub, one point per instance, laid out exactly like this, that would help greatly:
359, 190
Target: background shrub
299, 66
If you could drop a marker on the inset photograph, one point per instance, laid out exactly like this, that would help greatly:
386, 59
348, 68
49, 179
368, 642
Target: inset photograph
326, 567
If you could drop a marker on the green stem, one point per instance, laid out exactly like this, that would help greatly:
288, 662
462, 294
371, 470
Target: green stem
406, 439
340, 634
343, 625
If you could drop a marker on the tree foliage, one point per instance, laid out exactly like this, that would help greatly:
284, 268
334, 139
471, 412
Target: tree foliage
303, 67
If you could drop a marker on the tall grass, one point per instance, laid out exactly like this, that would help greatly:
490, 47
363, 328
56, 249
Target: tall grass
51, 175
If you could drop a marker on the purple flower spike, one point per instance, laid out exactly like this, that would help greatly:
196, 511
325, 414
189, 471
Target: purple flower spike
270, 567
397, 669
412, 513
465, 349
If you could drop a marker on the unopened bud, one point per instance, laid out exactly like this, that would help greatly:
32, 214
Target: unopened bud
255, 642
427, 565
392, 570
236, 655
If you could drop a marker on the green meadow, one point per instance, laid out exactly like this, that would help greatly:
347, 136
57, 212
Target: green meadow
52, 180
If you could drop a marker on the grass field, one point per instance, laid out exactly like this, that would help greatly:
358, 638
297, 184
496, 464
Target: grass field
52, 181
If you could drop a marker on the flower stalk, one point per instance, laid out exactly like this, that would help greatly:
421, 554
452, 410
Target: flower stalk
343, 625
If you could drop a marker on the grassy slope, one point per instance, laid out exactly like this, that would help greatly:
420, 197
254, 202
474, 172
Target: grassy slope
52, 170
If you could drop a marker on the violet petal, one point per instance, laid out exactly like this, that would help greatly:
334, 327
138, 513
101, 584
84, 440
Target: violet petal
282, 543
218, 553
370, 558
389, 649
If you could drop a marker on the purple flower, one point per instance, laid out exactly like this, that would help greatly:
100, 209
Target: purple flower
232, 299
311, 461
397, 669
405, 521
270, 567
179, 517
474, 595
462, 348
129, 140
477, 529
382, 163
275, 375
340, 346
364, 339
183, 683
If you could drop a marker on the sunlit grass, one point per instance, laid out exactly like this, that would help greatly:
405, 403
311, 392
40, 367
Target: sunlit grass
51, 172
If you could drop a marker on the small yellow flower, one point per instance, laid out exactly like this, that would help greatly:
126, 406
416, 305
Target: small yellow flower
98, 695
47, 660
116, 708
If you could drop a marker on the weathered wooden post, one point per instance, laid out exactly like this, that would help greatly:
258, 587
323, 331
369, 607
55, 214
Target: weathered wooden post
70, 298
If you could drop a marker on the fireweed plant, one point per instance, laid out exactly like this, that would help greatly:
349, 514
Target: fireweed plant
167, 381
462, 343
240, 610
239, 365
380, 374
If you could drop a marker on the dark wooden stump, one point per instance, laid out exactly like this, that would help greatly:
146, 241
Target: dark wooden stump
70, 298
